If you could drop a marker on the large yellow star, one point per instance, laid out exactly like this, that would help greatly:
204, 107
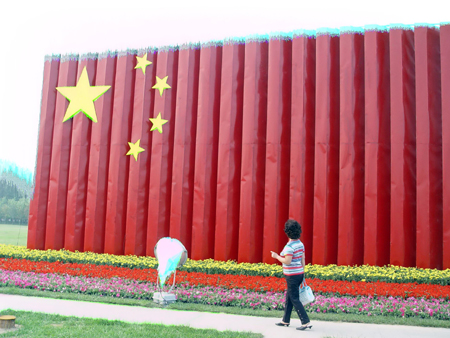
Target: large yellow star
135, 149
158, 123
161, 84
82, 97
142, 62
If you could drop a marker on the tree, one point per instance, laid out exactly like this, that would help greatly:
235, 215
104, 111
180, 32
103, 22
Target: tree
3, 209
9, 190
14, 211
23, 209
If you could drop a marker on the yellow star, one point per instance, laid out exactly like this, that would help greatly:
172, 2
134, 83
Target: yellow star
142, 62
161, 85
135, 149
82, 97
158, 123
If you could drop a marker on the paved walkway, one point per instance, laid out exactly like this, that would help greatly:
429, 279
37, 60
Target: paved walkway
221, 321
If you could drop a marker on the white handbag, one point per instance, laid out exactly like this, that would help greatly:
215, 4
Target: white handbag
306, 294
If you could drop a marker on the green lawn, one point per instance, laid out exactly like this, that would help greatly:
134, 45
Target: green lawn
41, 325
13, 234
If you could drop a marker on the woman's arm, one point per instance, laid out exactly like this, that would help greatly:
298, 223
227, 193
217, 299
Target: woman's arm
303, 260
286, 260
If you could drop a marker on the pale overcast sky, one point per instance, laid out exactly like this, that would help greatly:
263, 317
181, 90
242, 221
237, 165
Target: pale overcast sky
29, 32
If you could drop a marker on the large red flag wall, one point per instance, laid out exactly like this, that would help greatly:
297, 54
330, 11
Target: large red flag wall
343, 131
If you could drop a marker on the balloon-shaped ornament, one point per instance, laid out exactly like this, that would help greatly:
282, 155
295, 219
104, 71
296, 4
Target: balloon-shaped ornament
171, 254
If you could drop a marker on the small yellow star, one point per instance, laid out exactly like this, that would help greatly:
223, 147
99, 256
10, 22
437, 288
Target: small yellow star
82, 97
142, 62
158, 123
135, 149
161, 84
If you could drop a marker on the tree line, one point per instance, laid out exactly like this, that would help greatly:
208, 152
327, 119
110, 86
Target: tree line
14, 204
14, 211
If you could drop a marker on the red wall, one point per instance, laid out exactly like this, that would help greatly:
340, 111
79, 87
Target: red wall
343, 132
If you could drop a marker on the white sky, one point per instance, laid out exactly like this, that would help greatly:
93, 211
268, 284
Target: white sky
29, 32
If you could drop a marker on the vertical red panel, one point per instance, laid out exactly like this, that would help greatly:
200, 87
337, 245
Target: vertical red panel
184, 147
445, 83
78, 172
276, 203
97, 179
429, 148
205, 175
326, 158
59, 169
301, 198
116, 203
403, 148
251, 214
137, 200
229, 153
377, 149
351, 150
158, 223
38, 204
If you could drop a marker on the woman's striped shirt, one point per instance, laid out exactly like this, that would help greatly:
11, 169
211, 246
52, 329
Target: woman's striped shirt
296, 250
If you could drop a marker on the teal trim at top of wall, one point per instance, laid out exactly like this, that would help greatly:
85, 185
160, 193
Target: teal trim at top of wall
309, 33
108, 54
88, 56
327, 31
401, 26
234, 41
281, 36
53, 57
257, 38
246, 39
190, 45
351, 30
428, 25
376, 28
70, 57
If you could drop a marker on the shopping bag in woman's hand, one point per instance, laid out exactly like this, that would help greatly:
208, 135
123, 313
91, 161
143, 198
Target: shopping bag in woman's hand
306, 294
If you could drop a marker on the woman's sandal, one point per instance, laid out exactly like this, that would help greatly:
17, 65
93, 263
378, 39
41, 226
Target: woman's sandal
304, 327
282, 324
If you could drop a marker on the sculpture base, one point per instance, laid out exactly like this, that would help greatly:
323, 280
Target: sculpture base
164, 298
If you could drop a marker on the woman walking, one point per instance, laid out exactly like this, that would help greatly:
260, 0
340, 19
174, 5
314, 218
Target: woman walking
293, 259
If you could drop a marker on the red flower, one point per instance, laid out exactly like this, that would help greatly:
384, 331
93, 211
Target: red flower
257, 283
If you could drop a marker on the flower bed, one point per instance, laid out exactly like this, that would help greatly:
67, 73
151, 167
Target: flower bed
134, 289
384, 306
365, 273
258, 286
256, 283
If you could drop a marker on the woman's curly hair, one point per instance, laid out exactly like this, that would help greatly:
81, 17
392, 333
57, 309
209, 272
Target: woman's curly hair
292, 229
